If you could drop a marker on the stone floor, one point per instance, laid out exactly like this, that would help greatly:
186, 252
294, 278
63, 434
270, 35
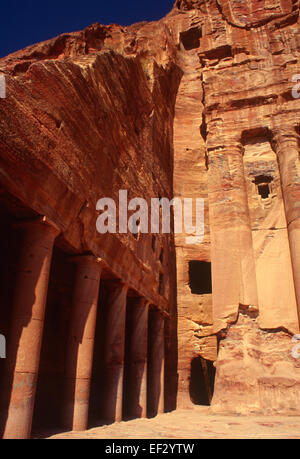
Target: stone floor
196, 423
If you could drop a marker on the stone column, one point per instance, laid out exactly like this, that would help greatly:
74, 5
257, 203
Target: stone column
114, 351
137, 371
25, 340
287, 147
79, 358
233, 265
156, 363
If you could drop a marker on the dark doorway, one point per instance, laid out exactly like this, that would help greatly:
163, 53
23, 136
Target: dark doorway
263, 185
96, 416
264, 191
10, 246
202, 381
48, 400
126, 383
12, 211
155, 370
200, 277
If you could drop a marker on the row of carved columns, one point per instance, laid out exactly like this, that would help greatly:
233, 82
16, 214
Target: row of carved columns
233, 264
146, 353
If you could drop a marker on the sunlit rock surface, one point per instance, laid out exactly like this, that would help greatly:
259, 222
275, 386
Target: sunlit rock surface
196, 105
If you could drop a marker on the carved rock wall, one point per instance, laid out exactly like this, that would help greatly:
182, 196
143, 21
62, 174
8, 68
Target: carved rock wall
248, 53
203, 110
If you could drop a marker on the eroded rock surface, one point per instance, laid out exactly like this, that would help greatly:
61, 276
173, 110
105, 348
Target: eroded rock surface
198, 104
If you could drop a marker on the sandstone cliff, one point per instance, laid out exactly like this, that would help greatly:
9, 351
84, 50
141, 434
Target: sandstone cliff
209, 87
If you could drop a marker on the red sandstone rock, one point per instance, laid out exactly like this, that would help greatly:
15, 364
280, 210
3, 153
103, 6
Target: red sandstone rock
203, 110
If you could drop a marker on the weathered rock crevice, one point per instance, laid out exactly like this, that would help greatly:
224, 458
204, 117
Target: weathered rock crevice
196, 105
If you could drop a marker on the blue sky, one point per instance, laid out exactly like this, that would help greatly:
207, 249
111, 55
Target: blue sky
31, 21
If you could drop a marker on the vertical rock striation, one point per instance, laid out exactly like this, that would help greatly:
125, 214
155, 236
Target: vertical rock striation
196, 105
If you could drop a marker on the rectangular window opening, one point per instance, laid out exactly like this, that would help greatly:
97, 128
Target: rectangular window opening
200, 277
264, 191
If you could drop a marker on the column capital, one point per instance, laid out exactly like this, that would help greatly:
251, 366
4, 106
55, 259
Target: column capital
142, 302
41, 221
228, 147
159, 310
87, 260
146, 303
165, 314
118, 283
281, 135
